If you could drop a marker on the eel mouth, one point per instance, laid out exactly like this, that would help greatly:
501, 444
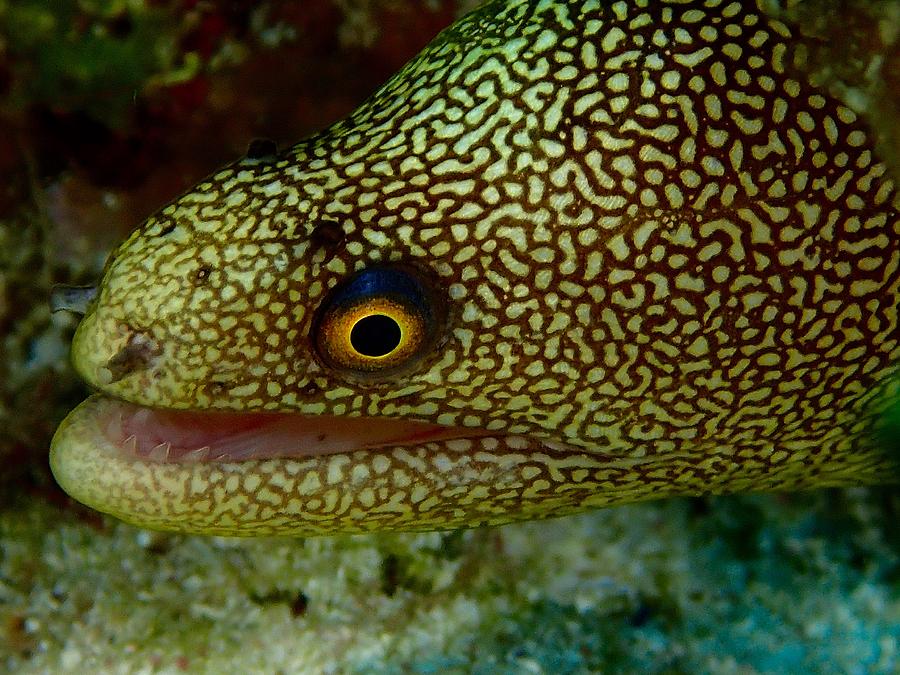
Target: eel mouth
183, 436
255, 474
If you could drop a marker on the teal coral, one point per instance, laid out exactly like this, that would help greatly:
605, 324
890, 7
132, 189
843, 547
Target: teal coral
745, 595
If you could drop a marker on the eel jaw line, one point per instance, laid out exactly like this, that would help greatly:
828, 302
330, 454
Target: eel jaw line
399, 475
161, 435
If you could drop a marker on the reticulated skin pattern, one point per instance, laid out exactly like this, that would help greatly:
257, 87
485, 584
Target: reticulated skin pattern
658, 244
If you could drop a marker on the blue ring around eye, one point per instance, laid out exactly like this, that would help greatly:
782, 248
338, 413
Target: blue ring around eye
385, 282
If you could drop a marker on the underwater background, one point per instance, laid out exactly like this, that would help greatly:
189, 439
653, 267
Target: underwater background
109, 109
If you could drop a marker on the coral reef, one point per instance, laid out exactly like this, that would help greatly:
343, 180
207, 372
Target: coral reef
756, 584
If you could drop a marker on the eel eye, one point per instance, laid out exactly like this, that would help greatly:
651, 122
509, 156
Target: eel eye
379, 323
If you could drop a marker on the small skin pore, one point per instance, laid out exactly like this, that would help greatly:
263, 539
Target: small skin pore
627, 249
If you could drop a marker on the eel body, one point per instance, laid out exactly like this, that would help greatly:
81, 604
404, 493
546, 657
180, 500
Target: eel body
574, 254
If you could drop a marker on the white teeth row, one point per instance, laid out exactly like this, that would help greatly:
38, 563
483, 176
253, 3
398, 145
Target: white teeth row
198, 455
163, 452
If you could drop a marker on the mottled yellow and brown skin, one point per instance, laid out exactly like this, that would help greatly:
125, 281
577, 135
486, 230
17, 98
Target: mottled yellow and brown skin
671, 265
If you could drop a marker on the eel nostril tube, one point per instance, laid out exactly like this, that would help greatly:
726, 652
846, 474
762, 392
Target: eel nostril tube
71, 298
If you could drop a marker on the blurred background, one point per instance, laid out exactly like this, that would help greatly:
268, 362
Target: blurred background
108, 110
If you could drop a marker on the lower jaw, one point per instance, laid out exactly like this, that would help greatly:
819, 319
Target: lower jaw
260, 474
422, 479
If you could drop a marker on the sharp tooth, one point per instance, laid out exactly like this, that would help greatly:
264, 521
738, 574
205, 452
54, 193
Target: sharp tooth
114, 430
129, 445
160, 453
142, 416
198, 455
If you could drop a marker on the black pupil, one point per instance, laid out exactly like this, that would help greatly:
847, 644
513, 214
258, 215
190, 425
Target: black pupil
375, 335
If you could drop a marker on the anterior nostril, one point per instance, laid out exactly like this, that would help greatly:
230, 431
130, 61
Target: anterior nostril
139, 353
71, 298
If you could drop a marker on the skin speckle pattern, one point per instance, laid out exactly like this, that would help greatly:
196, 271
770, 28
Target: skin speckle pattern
671, 266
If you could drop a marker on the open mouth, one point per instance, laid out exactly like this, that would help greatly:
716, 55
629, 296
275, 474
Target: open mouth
181, 436
248, 474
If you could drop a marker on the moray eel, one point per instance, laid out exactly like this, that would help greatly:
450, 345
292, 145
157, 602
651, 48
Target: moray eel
574, 254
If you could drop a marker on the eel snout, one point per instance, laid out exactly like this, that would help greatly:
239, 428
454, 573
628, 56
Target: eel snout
73, 299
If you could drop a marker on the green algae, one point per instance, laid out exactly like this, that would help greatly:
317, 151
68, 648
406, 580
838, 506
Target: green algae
889, 426
90, 55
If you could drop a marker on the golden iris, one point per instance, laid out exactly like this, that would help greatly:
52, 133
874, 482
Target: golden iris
380, 322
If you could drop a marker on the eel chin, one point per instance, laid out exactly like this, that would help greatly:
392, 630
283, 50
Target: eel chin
281, 473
